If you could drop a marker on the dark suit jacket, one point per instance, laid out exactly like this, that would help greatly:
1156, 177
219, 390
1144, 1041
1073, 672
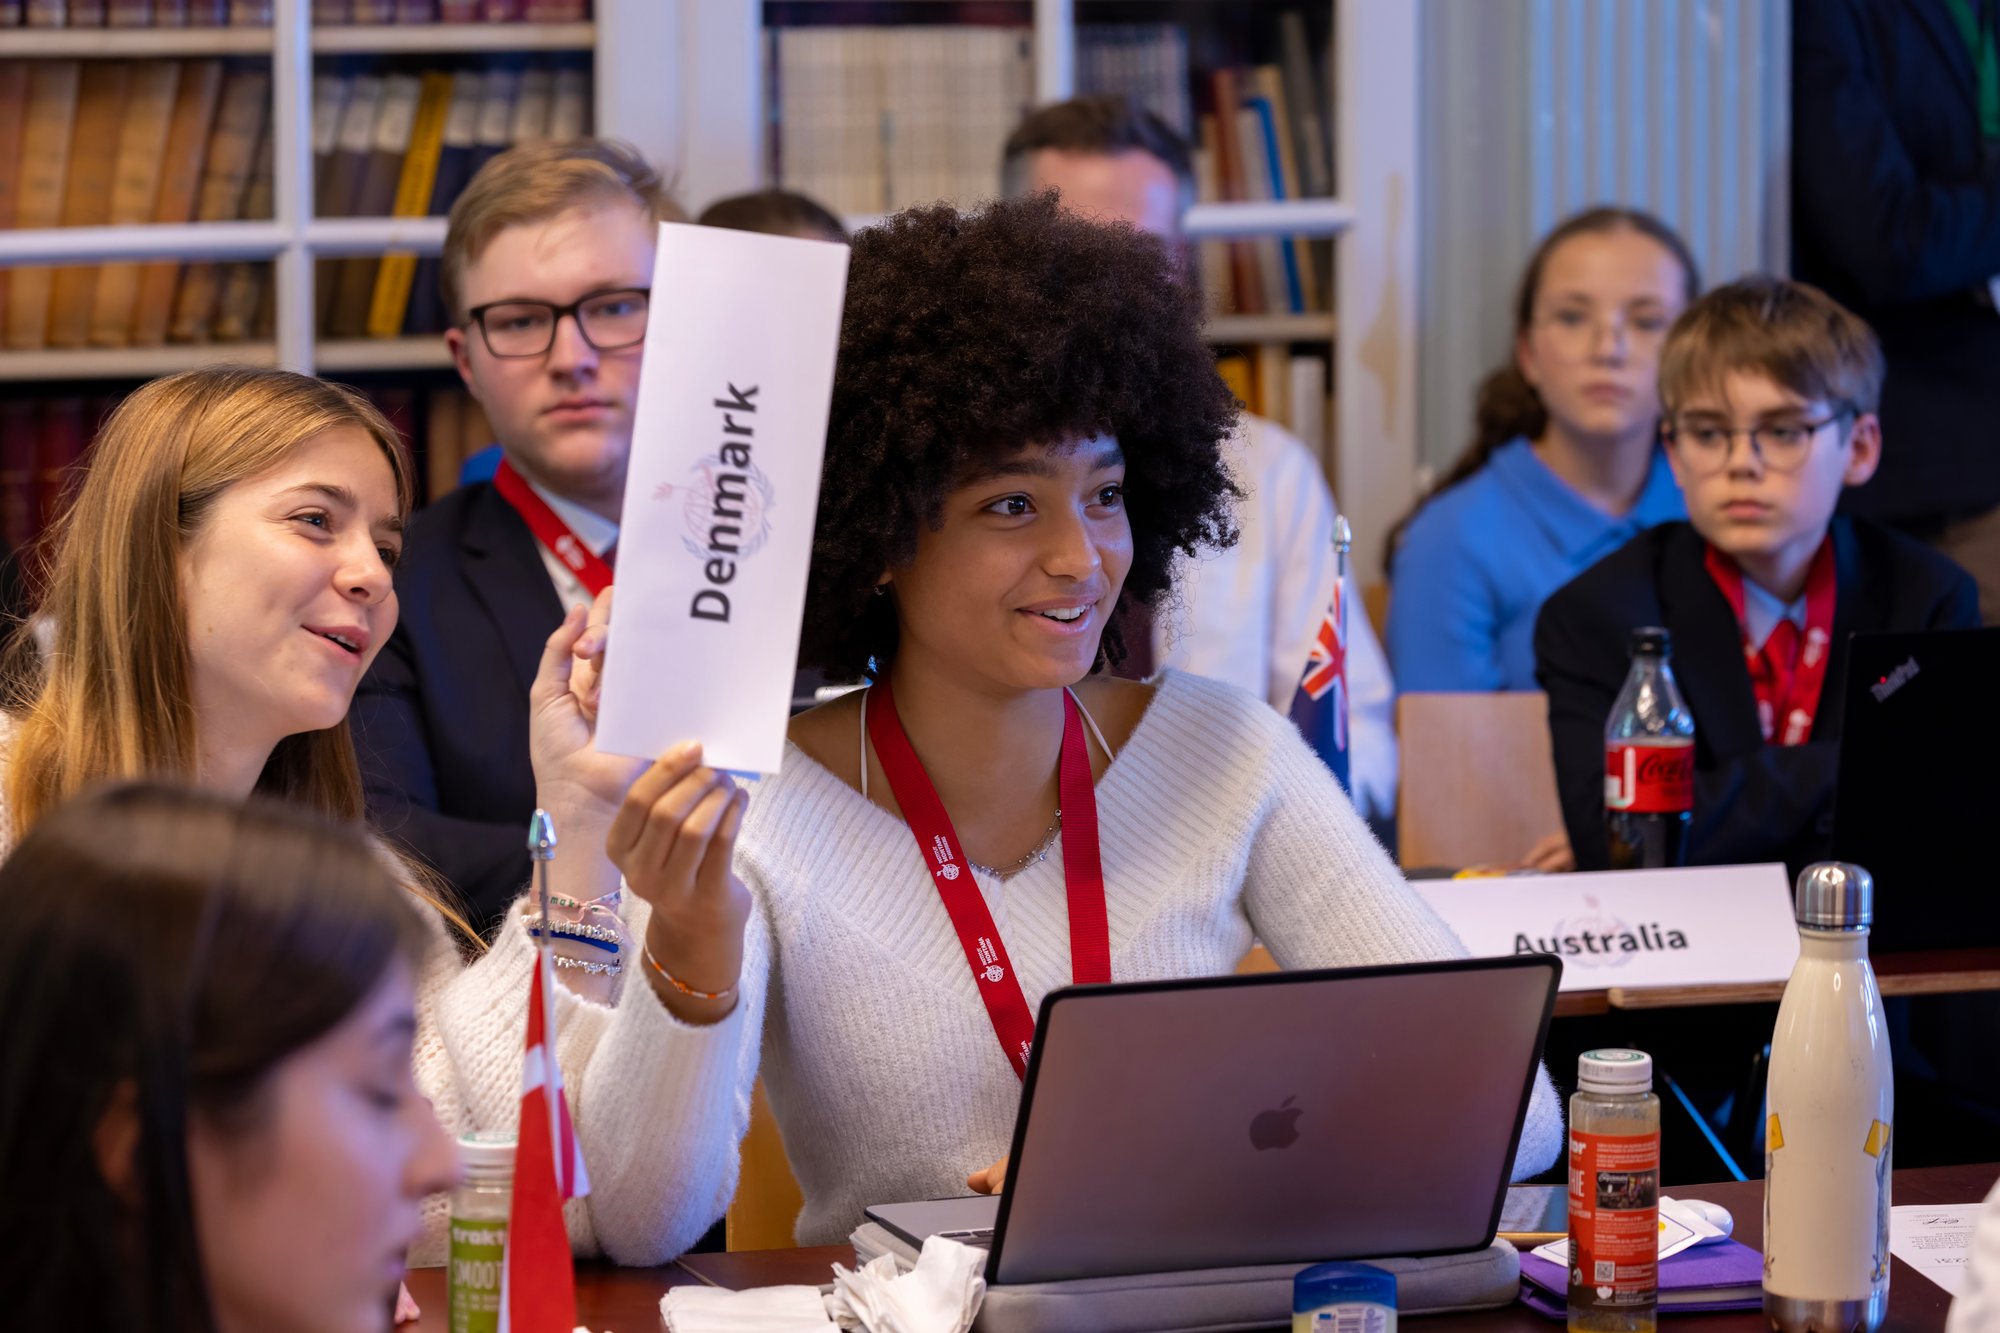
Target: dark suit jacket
441, 721
1752, 801
1896, 213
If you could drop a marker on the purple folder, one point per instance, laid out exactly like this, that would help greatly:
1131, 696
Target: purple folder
1721, 1275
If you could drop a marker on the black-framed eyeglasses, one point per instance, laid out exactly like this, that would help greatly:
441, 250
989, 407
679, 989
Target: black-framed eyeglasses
1783, 446
608, 320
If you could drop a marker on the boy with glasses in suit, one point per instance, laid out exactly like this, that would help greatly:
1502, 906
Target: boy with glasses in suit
547, 264
1770, 391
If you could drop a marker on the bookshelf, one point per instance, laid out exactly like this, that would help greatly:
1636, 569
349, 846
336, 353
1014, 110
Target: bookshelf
684, 80
629, 100
1369, 223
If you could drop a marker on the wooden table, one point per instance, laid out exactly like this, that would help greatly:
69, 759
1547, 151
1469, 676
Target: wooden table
1920, 972
627, 1300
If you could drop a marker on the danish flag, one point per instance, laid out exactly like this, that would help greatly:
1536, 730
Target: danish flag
538, 1286
1319, 708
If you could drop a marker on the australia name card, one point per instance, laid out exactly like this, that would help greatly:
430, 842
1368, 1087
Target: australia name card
720, 495
1699, 926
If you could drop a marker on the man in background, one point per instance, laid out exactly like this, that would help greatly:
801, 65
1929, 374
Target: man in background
1249, 615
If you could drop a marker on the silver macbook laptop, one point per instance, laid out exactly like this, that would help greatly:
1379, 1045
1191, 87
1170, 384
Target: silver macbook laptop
1286, 1117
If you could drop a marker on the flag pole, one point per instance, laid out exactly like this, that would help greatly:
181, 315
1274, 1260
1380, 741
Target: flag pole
1343, 542
542, 850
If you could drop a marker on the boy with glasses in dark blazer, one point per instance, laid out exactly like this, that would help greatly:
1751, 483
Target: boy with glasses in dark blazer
548, 259
1769, 389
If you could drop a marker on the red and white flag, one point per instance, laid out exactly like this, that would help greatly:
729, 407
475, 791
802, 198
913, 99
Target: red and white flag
538, 1287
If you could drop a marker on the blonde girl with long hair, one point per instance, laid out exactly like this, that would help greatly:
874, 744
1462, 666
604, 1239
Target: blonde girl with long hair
215, 592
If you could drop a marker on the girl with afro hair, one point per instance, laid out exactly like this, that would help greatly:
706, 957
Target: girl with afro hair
1025, 435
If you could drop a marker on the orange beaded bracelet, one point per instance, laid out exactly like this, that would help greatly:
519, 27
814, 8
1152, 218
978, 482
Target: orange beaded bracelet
646, 951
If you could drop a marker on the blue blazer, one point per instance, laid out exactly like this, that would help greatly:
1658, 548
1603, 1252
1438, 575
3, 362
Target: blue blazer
441, 720
1896, 213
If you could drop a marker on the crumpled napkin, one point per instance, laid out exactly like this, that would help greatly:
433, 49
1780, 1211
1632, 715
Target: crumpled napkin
764, 1309
941, 1294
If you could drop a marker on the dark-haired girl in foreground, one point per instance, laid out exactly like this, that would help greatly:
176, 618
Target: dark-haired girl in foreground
208, 1117
1025, 430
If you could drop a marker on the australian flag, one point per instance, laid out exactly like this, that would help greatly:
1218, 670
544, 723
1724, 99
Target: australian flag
1319, 708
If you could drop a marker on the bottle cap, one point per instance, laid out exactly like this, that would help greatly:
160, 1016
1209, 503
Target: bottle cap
486, 1150
1323, 1285
1835, 895
1614, 1071
1650, 639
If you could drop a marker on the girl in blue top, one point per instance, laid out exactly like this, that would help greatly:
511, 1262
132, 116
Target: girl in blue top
1565, 465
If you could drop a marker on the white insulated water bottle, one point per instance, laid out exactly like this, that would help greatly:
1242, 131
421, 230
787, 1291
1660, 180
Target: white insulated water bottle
1831, 1105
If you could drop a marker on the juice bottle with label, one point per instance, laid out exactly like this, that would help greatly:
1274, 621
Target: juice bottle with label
479, 1208
1614, 1194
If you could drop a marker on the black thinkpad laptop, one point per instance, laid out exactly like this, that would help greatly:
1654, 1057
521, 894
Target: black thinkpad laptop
1919, 798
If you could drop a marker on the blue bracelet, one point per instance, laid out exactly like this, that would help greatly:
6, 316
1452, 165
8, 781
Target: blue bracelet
564, 931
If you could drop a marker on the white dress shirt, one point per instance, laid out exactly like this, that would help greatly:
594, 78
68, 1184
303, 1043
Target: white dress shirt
1249, 614
594, 530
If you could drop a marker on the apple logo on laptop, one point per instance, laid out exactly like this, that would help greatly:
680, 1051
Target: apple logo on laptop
1278, 1127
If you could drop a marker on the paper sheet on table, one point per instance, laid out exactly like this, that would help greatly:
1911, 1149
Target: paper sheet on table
720, 495
1680, 1228
1934, 1241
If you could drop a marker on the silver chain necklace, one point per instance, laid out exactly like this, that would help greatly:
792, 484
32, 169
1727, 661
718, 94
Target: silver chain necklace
1040, 852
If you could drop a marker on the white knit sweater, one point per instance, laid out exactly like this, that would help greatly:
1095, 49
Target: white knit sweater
628, 1071
1217, 825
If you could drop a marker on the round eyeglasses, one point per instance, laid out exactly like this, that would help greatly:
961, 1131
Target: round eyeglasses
1782, 446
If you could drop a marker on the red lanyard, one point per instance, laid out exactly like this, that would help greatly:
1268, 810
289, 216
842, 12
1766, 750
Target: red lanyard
1787, 691
549, 529
937, 843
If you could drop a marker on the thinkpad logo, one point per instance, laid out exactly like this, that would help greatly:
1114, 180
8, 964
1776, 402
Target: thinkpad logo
1894, 681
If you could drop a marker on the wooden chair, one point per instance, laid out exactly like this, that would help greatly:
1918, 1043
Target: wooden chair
1375, 601
1478, 778
767, 1202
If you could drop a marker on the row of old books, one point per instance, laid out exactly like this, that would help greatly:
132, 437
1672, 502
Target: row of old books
42, 439
112, 142
1262, 135
45, 437
404, 145
450, 11
257, 13
1282, 386
868, 119
135, 13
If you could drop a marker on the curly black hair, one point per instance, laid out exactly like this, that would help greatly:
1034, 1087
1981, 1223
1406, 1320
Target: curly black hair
969, 335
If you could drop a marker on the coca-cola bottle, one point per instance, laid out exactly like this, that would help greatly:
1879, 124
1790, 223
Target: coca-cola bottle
1648, 762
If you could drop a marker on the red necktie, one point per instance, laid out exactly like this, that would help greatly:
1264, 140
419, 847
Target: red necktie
1777, 663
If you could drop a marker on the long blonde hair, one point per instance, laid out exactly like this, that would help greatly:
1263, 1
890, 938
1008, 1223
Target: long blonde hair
113, 698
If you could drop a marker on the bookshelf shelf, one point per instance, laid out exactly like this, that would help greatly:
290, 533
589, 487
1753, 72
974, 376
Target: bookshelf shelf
134, 43
439, 38
329, 237
1286, 217
1234, 330
96, 245
115, 363
1314, 218
348, 356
